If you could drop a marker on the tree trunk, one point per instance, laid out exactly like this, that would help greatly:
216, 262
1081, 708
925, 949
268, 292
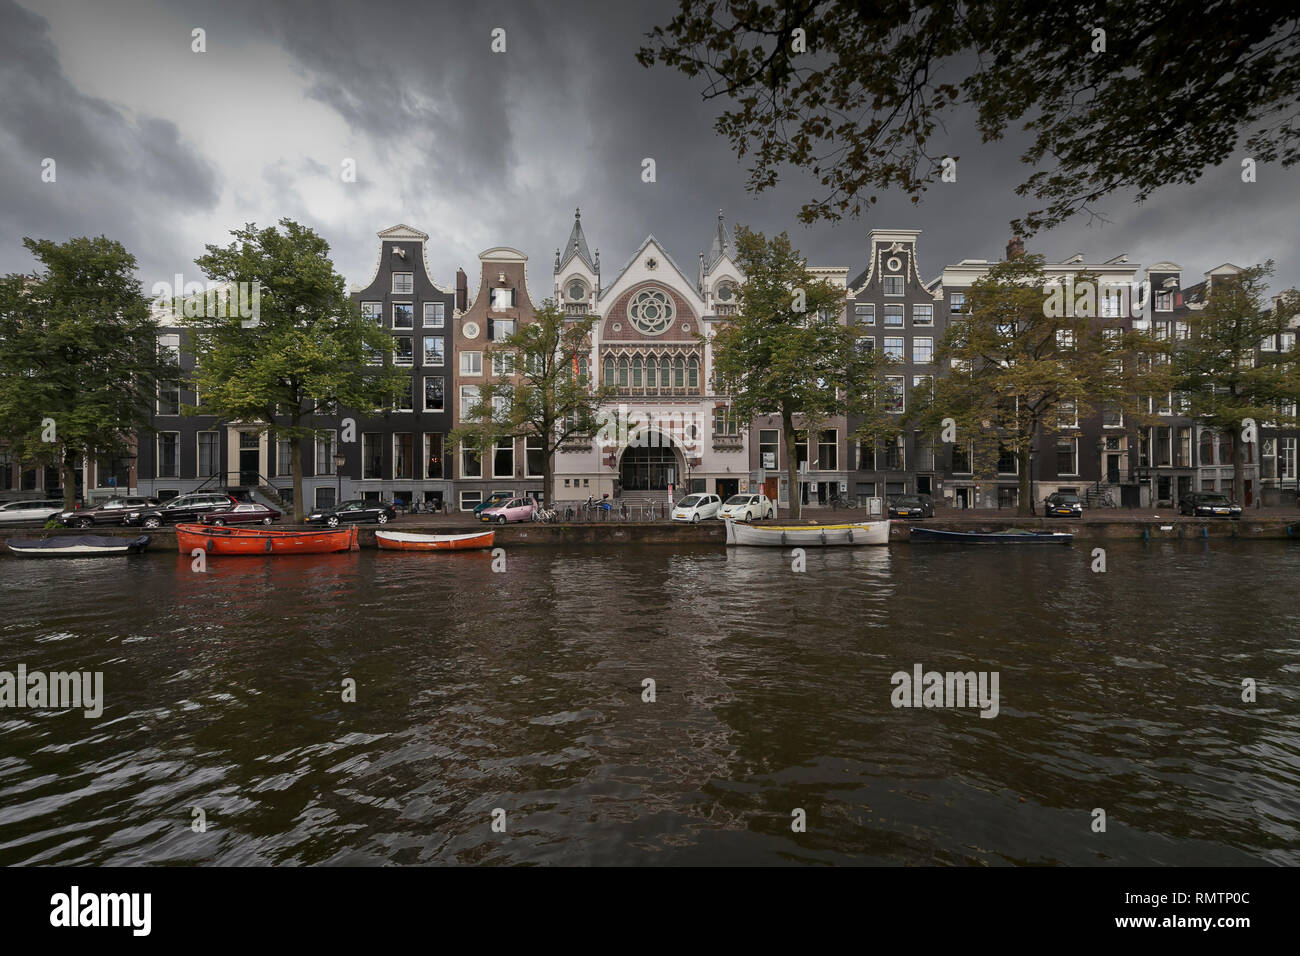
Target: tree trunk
68, 474
792, 465
295, 457
1025, 506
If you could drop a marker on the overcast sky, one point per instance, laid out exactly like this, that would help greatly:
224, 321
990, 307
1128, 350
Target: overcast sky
165, 149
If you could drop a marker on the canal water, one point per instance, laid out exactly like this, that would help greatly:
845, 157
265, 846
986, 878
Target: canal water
225, 738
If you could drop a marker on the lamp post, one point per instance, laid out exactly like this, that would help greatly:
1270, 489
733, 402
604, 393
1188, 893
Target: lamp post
339, 462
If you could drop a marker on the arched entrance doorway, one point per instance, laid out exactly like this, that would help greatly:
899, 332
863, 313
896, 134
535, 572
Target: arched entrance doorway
651, 466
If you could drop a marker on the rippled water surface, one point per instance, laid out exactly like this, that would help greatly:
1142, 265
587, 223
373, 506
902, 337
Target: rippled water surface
523, 691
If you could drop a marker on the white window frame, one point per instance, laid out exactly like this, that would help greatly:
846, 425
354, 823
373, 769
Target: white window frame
469, 500
327, 459
198, 453
471, 362
441, 358
928, 314
410, 283
886, 282
424, 393
438, 320
407, 361
923, 361
465, 406
157, 461
403, 305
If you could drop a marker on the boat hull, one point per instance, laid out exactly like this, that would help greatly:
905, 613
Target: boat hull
854, 535
406, 541
80, 546
991, 537
247, 542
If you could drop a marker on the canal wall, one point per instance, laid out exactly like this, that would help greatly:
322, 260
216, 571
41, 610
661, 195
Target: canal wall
713, 533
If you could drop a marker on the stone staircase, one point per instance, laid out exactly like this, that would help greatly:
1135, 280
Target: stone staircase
1096, 495
272, 497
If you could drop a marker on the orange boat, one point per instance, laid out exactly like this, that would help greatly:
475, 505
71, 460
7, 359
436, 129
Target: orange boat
232, 541
405, 541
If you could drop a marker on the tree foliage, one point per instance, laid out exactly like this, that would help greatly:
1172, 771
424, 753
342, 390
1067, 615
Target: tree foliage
1222, 370
788, 352
1019, 369
539, 394
306, 353
858, 93
79, 357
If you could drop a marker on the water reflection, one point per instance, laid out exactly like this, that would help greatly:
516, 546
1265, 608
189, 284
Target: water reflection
525, 690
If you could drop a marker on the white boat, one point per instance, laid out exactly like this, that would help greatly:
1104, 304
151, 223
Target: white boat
77, 546
407, 541
855, 534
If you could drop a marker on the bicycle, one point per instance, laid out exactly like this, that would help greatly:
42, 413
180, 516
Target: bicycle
844, 502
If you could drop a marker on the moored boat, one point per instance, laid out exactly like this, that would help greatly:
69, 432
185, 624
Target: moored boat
247, 541
1014, 536
408, 541
78, 546
809, 535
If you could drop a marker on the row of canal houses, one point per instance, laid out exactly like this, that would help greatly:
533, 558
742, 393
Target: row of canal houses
652, 342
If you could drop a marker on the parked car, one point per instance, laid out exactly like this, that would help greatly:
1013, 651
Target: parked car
693, 508
355, 510
492, 500
516, 509
112, 511
246, 512
181, 508
1209, 506
911, 506
37, 509
1063, 505
747, 508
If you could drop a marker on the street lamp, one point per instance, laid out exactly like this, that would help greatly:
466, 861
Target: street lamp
339, 462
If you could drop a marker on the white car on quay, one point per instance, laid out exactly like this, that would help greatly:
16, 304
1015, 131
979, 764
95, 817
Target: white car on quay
747, 507
694, 508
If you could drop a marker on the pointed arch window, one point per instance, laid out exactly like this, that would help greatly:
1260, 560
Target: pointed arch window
622, 372
693, 373
665, 371
651, 372
636, 372
679, 373
584, 369
609, 370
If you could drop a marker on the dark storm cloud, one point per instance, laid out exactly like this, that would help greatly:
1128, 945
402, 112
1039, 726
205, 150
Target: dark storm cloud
481, 149
114, 171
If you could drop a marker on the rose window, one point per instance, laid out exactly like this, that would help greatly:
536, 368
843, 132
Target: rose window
651, 312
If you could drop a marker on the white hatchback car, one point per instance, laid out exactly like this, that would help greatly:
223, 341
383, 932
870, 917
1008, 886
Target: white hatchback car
693, 508
747, 508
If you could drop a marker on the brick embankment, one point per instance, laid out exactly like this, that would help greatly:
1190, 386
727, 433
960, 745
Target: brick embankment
1258, 524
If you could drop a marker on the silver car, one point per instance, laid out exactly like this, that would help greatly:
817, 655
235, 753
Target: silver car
42, 510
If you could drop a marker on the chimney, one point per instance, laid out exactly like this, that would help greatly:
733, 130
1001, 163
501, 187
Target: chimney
462, 291
1016, 247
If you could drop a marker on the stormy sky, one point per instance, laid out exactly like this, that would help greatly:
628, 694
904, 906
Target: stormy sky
166, 149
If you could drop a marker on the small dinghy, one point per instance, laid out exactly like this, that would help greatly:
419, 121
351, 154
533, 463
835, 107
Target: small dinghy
808, 535
407, 541
246, 541
78, 546
1014, 536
